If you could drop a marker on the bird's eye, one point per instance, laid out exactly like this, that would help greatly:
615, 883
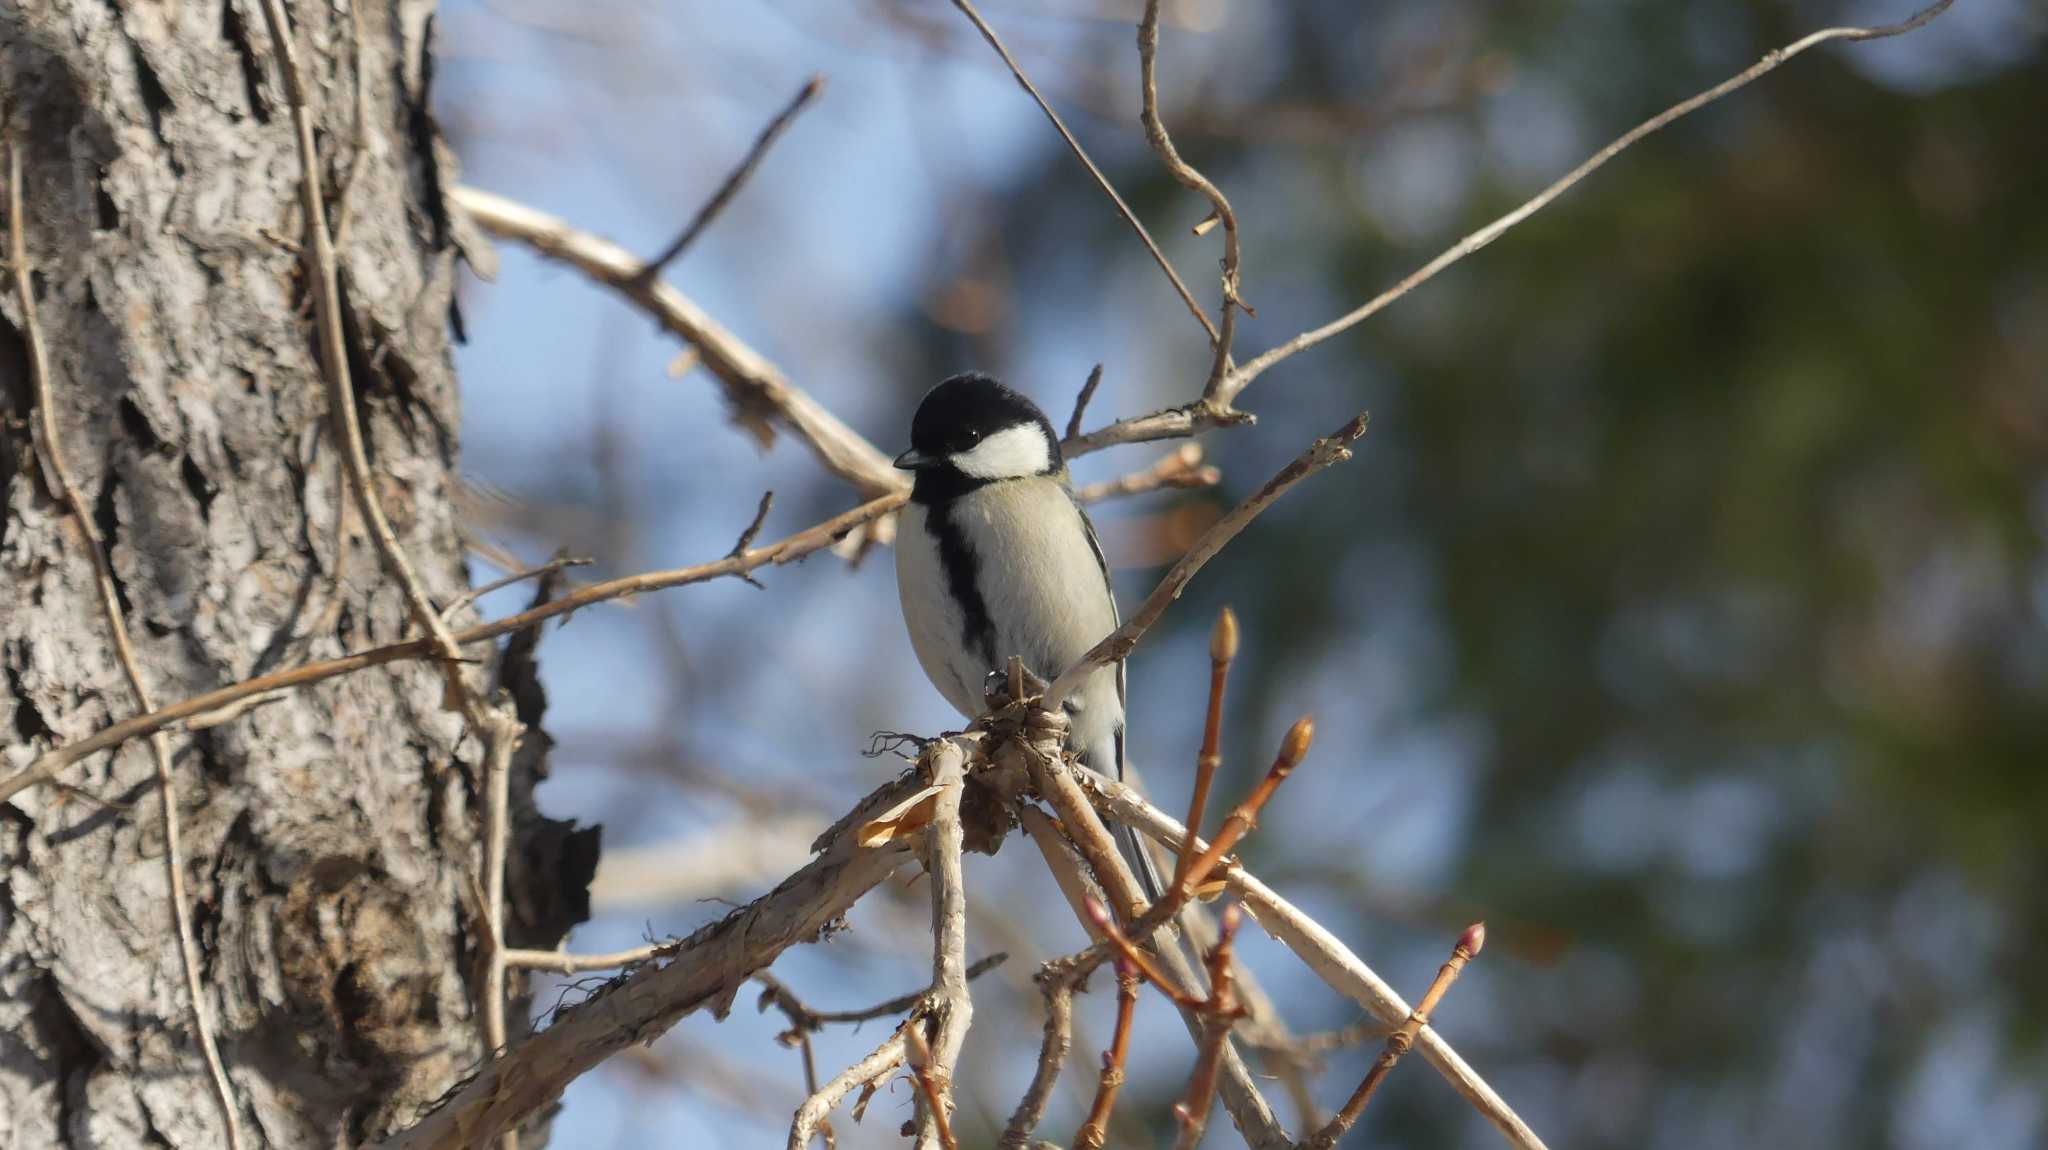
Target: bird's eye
970, 439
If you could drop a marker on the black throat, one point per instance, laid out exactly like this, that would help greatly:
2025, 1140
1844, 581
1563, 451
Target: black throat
961, 565
938, 485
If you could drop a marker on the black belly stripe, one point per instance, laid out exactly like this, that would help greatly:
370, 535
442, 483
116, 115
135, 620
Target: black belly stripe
962, 566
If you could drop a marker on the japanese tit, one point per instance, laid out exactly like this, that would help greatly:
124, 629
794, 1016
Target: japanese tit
994, 558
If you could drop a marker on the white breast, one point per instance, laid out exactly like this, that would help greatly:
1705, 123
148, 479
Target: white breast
1041, 582
934, 621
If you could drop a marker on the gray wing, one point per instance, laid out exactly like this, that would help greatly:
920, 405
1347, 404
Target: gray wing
1129, 841
1102, 564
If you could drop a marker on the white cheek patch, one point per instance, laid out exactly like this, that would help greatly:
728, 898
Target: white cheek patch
1008, 454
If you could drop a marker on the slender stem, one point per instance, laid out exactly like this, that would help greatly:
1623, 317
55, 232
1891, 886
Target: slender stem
785, 550
1123, 209
1331, 449
1467, 948
1242, 377
1181, 170
1246, 815
1222, 649
734, 179
1095, 1130
59, 479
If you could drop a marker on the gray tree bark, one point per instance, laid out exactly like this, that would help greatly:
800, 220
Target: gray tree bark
331, 837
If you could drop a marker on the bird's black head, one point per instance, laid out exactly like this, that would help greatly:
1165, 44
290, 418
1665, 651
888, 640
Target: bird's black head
971, 430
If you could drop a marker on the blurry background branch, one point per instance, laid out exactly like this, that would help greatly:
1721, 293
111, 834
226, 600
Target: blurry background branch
761, 397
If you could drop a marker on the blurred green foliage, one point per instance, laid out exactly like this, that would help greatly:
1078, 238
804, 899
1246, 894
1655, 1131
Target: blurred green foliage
1725, 480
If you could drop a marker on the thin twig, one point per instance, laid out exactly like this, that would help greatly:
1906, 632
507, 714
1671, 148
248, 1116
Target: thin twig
1248, 1108
1222, 650
1129, 953
733, 180
1064, 860
810, 1064
1052, 1055
558, 563
318, 253
501, 733
950, 1007
813, 1113
1185, 173
706, 971
1331, 449
788, 549
1245, 816
234, 710
562, 962
1159, 257
1260, 1027
1324, 953
1312, 1048
1095, 1129
1467, 948
359, 128
754, 386
1082, 826
746, 538
1167, 423
816, 1020
1081, 401
59, 480
930, 1090
1181, 470
1219, 1014
1243, 376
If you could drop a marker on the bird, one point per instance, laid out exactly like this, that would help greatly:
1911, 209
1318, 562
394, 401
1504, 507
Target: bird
995, 557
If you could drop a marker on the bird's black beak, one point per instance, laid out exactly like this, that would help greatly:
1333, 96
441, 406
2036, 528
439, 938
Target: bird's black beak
915, 460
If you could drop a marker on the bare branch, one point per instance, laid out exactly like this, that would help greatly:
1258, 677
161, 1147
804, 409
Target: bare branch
1222, 651
1159, 257
801, 1015
1219, 1014
318, 254
1467, 948
812, 1114
733, 181
753, 529
1248, 1108
706, 970
1245, 816
501, 733
1170, 423
937, 1127
1182, 470
558, 563
950, 1008
1071, 873
755, 387
358, 129
789, 548
1052, 1054
1334, 448
562, 962
1325, 954
59, 479
1081, 401
1095, 1129
1243, 376
1127, 952
1181, 170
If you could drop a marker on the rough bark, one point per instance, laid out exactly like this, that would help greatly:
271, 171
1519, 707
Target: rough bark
331, 836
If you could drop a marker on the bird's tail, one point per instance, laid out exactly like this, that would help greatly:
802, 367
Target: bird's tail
1129, 841
1132, 844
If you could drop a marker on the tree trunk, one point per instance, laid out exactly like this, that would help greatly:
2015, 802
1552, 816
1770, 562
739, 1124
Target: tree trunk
331, 836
